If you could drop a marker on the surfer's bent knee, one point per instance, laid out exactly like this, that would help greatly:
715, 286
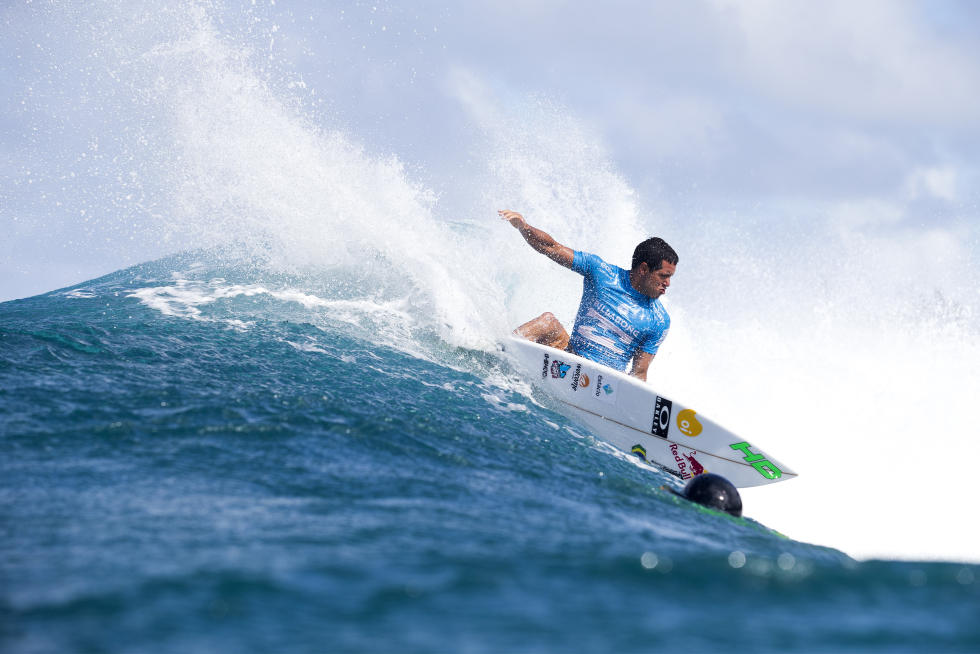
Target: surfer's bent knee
546, 329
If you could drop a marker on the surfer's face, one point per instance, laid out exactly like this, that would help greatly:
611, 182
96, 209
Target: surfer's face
653, 283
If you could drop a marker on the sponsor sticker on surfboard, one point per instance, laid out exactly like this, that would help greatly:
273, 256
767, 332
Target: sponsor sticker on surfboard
605, 390
633, 417
661, 417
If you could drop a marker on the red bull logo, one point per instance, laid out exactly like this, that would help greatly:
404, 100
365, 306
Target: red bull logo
687, 465
696, 468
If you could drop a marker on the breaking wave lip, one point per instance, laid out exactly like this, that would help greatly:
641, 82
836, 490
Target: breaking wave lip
80, 293
226, 294
384, 322
185, 299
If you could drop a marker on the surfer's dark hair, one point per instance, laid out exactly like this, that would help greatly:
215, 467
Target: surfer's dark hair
653, 252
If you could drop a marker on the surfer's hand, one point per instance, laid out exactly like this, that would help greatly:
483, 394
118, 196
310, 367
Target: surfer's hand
539, 240
514, 218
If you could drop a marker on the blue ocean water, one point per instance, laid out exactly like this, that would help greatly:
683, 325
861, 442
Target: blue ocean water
200, 456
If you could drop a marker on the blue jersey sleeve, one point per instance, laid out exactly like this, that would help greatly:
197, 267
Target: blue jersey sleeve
584, 263
653, 341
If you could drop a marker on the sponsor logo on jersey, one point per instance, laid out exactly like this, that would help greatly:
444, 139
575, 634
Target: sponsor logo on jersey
688, 423
758, 461
559, 369
620, 321
661, 417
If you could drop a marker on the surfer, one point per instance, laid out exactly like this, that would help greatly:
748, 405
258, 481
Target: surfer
620, 316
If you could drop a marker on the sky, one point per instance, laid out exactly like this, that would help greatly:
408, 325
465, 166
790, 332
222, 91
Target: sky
861, 115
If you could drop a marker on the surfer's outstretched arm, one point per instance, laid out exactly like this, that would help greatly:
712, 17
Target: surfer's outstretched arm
539, 240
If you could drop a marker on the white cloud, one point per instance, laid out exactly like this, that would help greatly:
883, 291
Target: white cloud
938, 182
870, 60
813, 102
866, 212
673, 125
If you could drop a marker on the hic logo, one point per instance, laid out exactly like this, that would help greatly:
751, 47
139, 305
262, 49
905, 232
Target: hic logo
661, 417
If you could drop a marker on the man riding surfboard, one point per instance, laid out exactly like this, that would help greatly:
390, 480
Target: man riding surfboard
620, 317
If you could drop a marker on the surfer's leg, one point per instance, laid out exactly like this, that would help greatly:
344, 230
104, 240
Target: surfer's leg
546, 330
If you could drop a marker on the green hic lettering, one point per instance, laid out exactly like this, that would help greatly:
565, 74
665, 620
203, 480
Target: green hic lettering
750, 456
767, 470
759, 462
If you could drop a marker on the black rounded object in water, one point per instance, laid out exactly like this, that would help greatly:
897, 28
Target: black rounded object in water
714, 491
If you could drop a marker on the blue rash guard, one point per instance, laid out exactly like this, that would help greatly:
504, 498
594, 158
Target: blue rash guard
614, 320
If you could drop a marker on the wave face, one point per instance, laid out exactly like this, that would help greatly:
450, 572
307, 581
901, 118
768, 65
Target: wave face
297, 433
209, 458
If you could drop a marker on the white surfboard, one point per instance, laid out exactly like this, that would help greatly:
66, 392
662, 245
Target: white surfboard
629, 414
